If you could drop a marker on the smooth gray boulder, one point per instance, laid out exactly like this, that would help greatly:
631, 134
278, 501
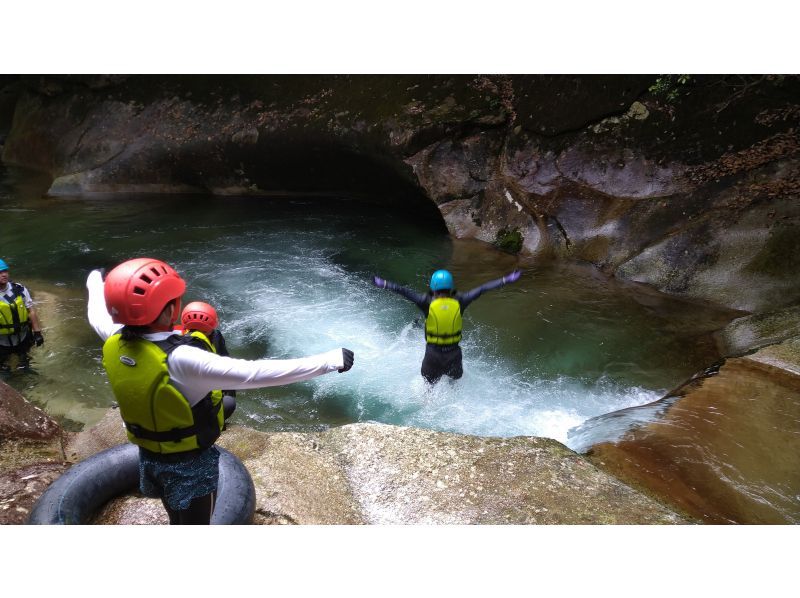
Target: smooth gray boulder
382, 474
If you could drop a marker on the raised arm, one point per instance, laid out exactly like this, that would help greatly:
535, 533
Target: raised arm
470, 296
99, 318
422, 301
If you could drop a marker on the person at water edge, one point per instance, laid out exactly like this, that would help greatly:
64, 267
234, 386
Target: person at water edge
443, 308
200, 320
166, 387
20, 327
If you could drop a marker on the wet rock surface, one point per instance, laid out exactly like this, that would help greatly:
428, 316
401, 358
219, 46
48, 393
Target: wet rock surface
31, 454
752, 332
21, 487
21, 419
407, 475
725, 447
380, 474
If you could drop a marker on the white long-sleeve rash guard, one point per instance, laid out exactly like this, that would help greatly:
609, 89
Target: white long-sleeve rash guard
195, 372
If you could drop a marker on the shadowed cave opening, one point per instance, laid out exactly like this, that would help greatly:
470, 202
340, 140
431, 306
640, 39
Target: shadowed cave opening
315, 168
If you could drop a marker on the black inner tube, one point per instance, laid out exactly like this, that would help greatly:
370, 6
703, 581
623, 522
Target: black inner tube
78, 494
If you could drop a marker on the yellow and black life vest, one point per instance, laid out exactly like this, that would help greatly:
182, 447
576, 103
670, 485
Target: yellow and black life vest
157, 416
13, 313
443, 325
205, 342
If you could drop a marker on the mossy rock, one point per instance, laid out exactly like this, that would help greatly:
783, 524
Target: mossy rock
509, 241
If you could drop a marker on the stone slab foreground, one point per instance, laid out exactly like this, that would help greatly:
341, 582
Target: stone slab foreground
381, 474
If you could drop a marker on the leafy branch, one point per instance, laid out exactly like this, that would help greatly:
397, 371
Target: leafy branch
671, 87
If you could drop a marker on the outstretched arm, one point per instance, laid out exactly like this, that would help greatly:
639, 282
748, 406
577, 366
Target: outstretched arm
470, 296
195, 371
422, 301
99, 318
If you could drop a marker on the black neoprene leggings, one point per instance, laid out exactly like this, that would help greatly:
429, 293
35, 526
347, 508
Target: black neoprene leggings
440, 362
21, 350
198, 513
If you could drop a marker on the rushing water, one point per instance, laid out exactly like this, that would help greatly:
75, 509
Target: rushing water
291, 277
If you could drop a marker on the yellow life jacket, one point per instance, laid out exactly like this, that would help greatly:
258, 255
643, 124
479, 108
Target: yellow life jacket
204, 340
443, 324
209, 343
156, 415
13, 313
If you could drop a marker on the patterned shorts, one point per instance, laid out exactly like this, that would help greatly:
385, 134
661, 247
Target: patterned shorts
178, 480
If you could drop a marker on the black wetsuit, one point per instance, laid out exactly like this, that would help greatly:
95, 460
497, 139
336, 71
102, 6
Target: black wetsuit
443, 360
218, 342
228, 396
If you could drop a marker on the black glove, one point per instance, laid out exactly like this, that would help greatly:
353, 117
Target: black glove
349, 357
38, 339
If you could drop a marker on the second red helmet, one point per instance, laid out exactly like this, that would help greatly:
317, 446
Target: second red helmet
199, 316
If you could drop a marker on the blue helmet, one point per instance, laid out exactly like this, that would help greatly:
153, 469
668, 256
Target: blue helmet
441, 280
3, 266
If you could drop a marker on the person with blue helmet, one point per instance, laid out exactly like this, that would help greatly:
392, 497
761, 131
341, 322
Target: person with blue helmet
443, 308
20, 328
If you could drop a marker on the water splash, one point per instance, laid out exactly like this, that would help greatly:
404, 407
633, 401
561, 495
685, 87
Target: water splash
302, 302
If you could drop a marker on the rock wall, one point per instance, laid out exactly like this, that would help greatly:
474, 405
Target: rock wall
687, 184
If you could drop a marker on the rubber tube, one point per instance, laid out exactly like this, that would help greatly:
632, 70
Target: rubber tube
236, 493
85, 487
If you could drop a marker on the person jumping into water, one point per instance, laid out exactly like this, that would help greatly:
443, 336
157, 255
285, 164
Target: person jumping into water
443, 308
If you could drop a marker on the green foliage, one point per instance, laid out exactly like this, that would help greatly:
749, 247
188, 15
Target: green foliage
509, 241
671, 87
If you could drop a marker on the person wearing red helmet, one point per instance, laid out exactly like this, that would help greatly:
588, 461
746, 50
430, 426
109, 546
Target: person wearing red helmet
200, 320
166, 387
200, 316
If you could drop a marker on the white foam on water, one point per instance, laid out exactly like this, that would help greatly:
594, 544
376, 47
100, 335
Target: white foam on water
302, 303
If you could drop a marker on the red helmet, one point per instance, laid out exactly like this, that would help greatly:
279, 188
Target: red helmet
137, 291
199, 316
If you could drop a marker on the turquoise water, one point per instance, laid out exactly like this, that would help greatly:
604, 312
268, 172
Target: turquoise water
291, 276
